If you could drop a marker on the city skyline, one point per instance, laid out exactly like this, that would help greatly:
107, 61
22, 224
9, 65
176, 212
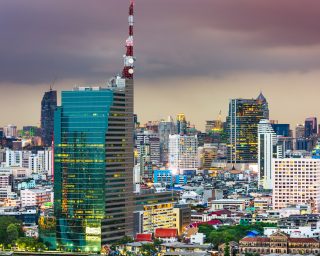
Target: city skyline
221, 51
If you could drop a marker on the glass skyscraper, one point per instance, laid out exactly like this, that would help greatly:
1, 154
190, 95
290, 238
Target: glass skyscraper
242, 129
48, 106
93, 143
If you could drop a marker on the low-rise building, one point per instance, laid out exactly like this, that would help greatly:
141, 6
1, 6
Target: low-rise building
279, 243
228, 204
35, 197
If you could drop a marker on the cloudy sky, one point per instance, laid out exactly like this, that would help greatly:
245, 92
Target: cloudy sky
192, 55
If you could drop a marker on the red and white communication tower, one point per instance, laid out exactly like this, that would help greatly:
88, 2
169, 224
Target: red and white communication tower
129, 59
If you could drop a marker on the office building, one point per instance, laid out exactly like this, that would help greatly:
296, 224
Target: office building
41, 162
206, 154
157, 216
300, 131
183, 152
148, 142
182, 217
242, 129
93, 157
264, 104
93, 166
48, 106
181, 124
296, 181
166, 128
282, 129
311, 127
267, 146
10, 131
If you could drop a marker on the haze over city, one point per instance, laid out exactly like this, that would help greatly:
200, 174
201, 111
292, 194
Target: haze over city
193, 56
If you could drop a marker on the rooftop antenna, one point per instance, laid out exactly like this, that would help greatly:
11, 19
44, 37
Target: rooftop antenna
129, 59
52, 84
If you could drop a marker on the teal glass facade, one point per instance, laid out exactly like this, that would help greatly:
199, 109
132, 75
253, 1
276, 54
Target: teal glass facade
80, 128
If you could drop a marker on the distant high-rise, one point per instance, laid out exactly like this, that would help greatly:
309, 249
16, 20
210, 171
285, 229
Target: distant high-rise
301, 142
265, 107
183, 152
181, 124
282, 129
300, 131
48, 106
311, 127
166, 128
267, 142
93, 161
10, 131
242, 129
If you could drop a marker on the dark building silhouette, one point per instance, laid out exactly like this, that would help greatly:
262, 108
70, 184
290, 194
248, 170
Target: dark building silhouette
311, 127
281, 129
48, 106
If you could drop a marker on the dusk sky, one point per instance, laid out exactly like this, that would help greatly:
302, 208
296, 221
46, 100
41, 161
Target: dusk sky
192, 55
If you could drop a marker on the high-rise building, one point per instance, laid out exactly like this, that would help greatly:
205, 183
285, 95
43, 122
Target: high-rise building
48, 106
265, 107
151, 140
311, 127
242, 129
166, 128
93, 161
267, 143
300, 131
296, 182
206, 154
10, 131
183, 152
301, 141
93, 166
282, 129
181, 124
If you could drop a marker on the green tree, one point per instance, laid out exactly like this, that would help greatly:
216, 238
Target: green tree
12, 233
230, 233
28, 244
5, 221
226, 249
148, 250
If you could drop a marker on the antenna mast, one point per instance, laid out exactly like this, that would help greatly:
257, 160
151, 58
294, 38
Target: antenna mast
129, 59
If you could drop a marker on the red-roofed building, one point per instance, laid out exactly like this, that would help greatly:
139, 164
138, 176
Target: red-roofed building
166, 234
144, 237
279, 243
220, 214
210, 222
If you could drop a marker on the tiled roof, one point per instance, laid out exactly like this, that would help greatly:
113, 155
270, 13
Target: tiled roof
303, 240
166, 232
144, 237
255, 239
210, 222
220, 212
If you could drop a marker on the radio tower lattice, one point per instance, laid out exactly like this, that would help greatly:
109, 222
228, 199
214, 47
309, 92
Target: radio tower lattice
129, 59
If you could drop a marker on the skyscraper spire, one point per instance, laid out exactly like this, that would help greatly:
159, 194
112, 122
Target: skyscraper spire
129, 59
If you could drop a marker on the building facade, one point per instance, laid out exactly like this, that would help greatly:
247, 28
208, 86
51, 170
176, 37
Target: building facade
183, 152
279, 243
267, 142
296, 181
93, 166
48, 106
242, 129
